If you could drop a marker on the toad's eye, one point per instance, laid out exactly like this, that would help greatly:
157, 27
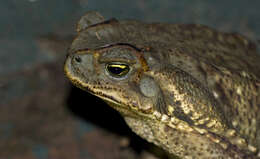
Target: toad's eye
117, 70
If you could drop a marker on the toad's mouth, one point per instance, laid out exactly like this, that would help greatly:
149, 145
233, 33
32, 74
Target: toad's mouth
75, 80
95, 90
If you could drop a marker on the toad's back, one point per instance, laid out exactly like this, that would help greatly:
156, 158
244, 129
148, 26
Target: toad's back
226, 63
229, 65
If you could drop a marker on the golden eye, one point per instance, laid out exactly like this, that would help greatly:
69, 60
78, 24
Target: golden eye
117, 70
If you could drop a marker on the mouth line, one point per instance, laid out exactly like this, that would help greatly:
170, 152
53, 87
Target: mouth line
115, 103
83, 85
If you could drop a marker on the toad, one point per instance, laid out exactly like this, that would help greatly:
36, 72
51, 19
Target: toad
187, 88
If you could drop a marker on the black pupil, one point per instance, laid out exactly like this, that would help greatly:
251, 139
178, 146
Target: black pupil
115, 70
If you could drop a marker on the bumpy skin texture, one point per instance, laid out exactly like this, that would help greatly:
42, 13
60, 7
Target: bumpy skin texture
187, 88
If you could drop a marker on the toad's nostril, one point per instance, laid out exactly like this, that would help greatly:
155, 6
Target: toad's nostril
78, 59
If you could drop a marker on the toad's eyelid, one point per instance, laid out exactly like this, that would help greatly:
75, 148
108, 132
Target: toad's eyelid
108, 46
119, 60
120, 44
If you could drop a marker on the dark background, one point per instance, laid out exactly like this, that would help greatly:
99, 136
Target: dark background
41, 114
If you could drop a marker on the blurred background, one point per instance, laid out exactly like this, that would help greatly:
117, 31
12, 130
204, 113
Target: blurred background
41, 115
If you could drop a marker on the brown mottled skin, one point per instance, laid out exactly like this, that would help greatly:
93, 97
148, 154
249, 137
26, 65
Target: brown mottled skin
187, 88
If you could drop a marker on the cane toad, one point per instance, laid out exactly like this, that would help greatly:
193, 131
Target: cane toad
191, 90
